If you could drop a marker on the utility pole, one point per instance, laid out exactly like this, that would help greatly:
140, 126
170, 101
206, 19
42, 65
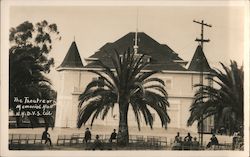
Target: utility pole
136, 33
201, 41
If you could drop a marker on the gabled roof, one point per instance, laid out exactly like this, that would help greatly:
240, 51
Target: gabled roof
199, 62
72, 59
162, 56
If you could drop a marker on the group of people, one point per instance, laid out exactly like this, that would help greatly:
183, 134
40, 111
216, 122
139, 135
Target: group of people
185, 144
97, 142
179, 144
87, 138
191, 143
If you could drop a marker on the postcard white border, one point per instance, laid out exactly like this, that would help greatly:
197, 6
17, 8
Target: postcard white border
5, 4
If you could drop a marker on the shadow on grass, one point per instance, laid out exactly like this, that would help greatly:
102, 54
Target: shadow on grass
88, 147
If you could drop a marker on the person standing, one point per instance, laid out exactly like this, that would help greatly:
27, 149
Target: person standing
113, 136
87, 135
46, 136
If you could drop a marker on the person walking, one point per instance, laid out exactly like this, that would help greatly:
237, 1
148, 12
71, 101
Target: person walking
87, 135
46, 136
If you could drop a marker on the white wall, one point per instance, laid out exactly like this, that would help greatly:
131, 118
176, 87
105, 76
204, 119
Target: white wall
179, 87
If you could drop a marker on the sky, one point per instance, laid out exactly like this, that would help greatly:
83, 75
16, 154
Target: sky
93, 26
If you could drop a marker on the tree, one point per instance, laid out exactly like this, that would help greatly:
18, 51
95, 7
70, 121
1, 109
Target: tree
224, 100
124, 85
29, 61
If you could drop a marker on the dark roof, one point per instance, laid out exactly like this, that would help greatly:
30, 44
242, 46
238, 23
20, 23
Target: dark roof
72, 59
199, 61
162, 56
158, 67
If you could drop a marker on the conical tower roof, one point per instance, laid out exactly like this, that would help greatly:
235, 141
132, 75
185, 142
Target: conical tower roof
199, 62
72, 59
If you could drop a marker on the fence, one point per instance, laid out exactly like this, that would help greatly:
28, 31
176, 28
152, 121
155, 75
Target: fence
136, 142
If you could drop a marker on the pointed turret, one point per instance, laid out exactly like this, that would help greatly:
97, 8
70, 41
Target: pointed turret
72, 59
199, 62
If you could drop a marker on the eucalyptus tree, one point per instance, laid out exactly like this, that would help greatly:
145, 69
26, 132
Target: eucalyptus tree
29, 62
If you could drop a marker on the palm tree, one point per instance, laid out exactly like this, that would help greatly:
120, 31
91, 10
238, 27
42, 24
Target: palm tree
124, 85
224, 100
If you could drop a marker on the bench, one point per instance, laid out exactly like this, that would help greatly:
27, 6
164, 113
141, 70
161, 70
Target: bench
163, 141
74, 139
31, 139
60, 139
153, 142
224, 146
25, 138
65, 139
69, 139
14, 139
38, 139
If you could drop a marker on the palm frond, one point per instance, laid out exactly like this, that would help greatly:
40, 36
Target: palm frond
154, 79
128, 85
225, 100
103, 77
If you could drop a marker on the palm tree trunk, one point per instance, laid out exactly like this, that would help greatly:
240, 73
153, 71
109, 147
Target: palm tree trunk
123, 136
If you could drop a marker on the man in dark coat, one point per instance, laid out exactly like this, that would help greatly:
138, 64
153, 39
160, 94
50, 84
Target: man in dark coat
87, 135
113, 136
46, 136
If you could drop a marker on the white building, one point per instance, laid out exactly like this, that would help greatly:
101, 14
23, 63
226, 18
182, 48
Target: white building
179, 80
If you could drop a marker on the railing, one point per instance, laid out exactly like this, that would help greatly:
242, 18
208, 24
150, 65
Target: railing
25, 139
135, 142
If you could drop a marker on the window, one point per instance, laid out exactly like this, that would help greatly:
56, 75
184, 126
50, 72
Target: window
195, 79
174, 113
168, 83
208, 124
